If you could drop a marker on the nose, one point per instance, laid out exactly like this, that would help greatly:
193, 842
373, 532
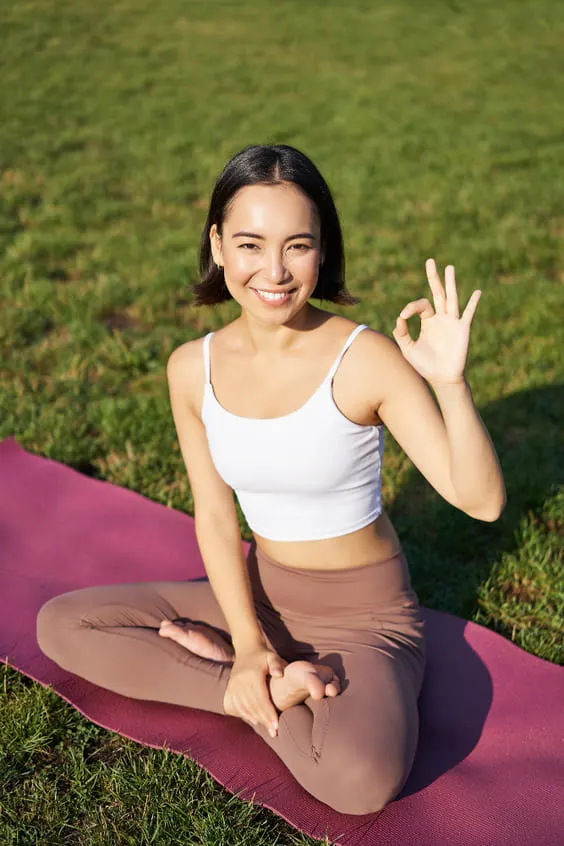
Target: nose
275, 267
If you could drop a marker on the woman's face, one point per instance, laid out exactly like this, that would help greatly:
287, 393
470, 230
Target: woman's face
270, 244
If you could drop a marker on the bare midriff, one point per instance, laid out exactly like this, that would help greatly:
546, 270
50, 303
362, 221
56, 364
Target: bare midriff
376, 542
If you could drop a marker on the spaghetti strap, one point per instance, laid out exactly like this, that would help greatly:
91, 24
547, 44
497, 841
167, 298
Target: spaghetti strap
206, 351
346, 345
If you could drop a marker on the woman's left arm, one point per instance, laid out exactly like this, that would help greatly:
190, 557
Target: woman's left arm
474, 467
455, 453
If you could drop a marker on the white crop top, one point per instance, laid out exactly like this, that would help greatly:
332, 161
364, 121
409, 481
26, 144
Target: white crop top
307, 475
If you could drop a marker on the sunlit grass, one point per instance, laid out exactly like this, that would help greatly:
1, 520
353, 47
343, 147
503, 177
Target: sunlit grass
439, 129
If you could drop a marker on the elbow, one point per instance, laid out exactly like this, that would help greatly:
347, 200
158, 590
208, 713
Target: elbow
491, 513
490, 517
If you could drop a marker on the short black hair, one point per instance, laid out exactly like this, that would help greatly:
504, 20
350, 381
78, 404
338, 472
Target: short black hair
272, 164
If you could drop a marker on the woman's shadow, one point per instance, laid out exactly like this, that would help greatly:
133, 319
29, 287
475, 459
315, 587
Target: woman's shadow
450, 554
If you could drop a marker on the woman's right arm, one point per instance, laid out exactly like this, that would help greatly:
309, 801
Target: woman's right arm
215, 516
219, 540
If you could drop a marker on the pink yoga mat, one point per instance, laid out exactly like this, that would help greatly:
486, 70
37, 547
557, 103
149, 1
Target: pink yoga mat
489, 767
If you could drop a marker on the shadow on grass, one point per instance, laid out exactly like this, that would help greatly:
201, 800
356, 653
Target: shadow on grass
450, 553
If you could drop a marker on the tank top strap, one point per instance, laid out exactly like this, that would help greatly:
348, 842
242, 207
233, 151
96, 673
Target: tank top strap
206, 351
346, 345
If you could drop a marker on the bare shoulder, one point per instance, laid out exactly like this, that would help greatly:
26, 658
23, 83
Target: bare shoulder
373, 344
375, 347
184, 355
185, 372
379, 366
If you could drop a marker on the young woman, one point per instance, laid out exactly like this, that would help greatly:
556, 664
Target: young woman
316, 639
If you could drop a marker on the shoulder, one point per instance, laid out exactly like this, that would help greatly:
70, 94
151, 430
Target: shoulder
372, 346
189, 355
379, 366
185, 368
370, 349
182, 360
185, 372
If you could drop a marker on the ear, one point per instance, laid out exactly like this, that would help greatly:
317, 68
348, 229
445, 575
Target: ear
215, 243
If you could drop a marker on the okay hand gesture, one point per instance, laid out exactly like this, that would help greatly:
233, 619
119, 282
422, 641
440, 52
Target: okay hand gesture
439, 354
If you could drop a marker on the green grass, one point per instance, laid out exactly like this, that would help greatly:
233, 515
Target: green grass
439, 128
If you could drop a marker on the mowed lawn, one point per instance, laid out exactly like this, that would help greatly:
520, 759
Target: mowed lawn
439, 127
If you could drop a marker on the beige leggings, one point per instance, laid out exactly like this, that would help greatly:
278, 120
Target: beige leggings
353, 751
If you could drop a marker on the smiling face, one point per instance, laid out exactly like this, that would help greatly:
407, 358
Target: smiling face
270, 243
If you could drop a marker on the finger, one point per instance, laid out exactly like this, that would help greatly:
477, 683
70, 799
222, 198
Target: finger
402, 336
246, 712
271, 724
268, 712
267, 717
439, 296
422, 307
451, 294
401, 332
471, 307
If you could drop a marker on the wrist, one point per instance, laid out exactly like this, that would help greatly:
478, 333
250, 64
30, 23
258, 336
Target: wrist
248, 641
453, 385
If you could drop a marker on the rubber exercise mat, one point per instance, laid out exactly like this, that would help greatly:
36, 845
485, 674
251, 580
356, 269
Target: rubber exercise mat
489, 766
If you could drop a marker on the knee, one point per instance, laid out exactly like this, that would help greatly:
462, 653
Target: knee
364, 787
52, 621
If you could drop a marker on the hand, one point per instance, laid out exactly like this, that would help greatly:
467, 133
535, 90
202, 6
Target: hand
247, 694
439, 354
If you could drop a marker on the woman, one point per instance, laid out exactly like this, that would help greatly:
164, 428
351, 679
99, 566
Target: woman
316, 639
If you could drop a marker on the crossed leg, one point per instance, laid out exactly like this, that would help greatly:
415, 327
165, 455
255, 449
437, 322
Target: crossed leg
352, 751
113, 636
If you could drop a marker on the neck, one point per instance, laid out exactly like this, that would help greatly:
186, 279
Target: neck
273, 338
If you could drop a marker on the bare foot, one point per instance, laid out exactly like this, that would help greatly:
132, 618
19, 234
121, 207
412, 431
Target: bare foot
300, 680
199, 639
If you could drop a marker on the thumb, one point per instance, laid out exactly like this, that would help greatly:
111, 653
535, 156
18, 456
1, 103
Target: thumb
275, 665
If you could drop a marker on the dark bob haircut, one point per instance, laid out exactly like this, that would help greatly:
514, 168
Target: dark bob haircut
272, 165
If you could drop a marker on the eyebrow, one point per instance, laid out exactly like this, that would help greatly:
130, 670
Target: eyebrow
262, 238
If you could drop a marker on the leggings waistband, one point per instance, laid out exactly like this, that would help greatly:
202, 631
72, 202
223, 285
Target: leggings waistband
322, 573
348, 591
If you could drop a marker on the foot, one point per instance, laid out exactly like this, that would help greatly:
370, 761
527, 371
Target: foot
300, 680
200, 639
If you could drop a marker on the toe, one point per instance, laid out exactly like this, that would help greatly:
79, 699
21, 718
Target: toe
173, 632
334, 686
315, 686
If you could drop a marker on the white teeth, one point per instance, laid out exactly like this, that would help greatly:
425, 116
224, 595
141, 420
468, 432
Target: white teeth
272, 296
